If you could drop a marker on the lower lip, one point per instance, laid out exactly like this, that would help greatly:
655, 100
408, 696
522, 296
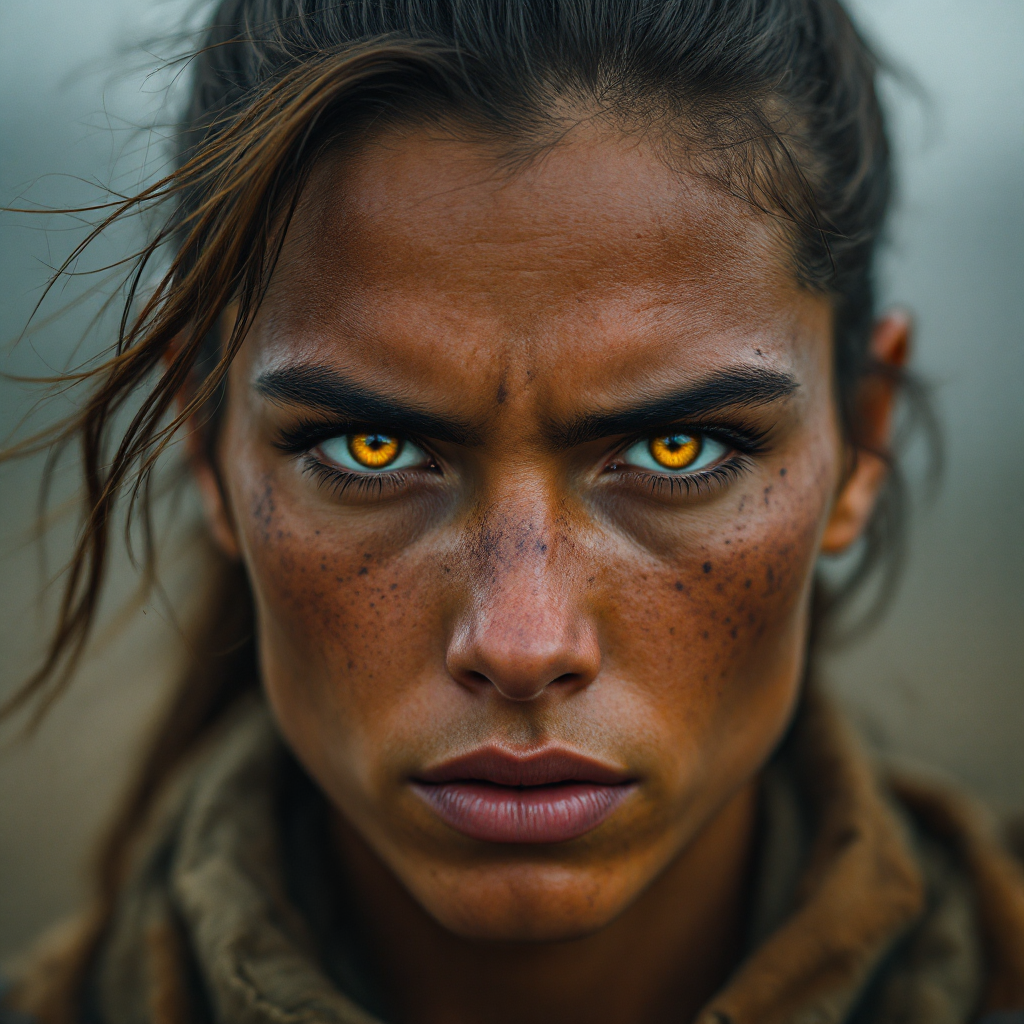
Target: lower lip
522, 814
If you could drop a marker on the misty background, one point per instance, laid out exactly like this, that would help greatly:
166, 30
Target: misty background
941, 680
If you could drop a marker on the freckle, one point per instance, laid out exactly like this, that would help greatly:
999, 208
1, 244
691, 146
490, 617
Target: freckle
368, 555
671, 630
732, 632
394, 586
707, 567
363, 571
757, 350
782, 472
351, 665
747, 583
704, 636
679, 584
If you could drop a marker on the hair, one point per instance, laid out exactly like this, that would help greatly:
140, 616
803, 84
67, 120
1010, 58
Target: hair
772, 101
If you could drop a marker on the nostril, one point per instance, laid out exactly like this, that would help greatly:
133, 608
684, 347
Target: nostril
567, 677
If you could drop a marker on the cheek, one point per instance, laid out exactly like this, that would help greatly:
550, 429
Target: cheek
714, 628
341, 612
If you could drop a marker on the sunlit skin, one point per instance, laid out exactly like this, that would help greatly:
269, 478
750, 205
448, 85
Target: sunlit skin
525, 578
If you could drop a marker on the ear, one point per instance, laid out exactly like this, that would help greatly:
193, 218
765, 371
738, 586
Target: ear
216, 507
889, 349
211, 490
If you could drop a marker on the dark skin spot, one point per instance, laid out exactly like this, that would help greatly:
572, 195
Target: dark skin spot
706, 567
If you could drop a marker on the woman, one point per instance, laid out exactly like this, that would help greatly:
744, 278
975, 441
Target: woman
528, 361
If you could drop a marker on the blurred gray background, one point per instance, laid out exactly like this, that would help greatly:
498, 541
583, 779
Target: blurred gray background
942, 680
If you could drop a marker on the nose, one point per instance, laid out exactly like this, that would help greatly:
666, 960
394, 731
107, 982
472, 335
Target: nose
522, 629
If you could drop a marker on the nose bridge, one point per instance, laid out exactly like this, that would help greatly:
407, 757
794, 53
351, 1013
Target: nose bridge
521, 626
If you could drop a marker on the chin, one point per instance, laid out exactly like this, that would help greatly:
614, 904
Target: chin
526, 904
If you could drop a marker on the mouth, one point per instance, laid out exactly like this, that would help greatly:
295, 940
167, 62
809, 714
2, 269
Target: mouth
547, 796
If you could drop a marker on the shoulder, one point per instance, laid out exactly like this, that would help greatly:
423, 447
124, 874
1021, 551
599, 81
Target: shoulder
969, 939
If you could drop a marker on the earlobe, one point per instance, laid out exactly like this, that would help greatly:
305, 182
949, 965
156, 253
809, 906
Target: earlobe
889, 350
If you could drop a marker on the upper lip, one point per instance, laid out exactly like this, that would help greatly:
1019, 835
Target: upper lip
533, 768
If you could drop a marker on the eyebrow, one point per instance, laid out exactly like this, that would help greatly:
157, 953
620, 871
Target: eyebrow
742, 387
317, 387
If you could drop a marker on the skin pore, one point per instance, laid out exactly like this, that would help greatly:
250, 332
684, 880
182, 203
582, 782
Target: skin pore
523, 579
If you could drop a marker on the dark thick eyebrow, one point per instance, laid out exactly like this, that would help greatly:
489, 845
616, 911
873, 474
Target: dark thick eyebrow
743, 387
326, 390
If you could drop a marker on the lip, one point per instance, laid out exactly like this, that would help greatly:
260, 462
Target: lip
545, 796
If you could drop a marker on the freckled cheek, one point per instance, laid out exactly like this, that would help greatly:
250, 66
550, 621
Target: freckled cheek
338, 625
723, 612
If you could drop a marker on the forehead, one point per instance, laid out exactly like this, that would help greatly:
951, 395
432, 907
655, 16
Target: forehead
419, 252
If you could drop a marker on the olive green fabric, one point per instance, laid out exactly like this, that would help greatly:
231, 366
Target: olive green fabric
868, 908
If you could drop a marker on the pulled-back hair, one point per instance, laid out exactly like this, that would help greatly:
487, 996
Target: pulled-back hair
773, 101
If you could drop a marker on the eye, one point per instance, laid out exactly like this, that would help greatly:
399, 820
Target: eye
675, 453
372, 452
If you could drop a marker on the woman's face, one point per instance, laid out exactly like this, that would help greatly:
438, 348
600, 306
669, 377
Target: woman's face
529, 472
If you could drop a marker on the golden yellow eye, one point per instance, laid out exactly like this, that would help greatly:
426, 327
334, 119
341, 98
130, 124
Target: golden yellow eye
676, 451
374, 450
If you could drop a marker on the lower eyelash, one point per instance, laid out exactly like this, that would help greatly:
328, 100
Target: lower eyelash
692, 483
338, 481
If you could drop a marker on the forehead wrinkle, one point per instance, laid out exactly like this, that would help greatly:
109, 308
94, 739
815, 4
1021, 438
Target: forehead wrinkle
547, 207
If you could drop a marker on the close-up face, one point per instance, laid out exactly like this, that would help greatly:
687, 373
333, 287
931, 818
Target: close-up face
529, 472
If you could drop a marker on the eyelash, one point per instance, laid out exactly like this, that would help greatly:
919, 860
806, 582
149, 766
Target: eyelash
744, 444
701, 482
338, 481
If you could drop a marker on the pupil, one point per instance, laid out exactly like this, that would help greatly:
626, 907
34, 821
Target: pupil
375, 442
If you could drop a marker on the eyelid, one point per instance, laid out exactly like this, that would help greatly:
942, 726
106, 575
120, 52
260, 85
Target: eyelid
307, 434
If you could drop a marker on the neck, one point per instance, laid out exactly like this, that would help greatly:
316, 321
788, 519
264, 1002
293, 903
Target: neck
660, 960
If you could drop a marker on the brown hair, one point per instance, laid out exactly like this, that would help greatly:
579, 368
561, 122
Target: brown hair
774, 98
